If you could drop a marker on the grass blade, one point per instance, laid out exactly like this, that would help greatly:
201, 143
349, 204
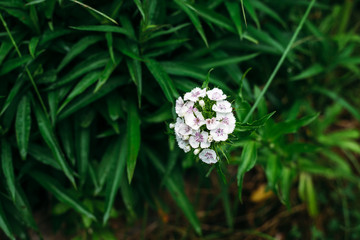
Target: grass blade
83, 152
278, 65
95, 11
234, 11
102, 28
23, 126
4, 224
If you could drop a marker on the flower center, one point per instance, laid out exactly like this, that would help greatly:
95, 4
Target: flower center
219, 132
208, 156
199, 137
225, 120
195, 94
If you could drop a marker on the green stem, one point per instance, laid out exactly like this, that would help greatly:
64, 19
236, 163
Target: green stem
26, 68
280, 61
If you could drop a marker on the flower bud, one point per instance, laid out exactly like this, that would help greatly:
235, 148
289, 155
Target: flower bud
187, 149
186, 137
196, 152
171, 125
210, 138
202, 103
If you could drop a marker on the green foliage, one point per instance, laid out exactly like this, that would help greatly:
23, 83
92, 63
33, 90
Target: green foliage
87, 87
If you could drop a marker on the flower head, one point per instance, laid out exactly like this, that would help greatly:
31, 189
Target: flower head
205, 119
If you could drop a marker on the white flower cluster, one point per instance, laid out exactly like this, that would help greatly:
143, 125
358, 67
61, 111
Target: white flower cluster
204, 118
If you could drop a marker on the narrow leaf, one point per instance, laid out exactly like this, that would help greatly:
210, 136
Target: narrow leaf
7, 167
133, 138
23, 126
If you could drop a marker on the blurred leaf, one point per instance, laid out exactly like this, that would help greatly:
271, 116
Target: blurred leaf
109, 40
48, 135
60, 193
334, 96
247, 162
265, 9
212, 63
290, 126
177, 193
249, 8
286, 178
163, 79
23, 126
255, 124
4, 224
309, 72
5, 48
43, 155
133, 138
307, 192
7, 167
117, 168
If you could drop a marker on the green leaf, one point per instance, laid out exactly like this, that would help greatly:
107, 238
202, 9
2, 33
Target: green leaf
48, 135
115, 175
133, 138
163, 79
251, 11
83, 84
12, 64
194, 19
247, 162
102, 28
140, 8
77, 49
286, 178
109, 41
5, 224
88, 98
7, 167
43, 155
213, 17
5, 48
234, 11
60, 193
255, 124
32, 46
219, 62
109, 68
83, 152
23, 126
265, 9
92, 63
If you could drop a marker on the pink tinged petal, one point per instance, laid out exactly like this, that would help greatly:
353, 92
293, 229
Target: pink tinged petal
193, 142
208, 156
211, 123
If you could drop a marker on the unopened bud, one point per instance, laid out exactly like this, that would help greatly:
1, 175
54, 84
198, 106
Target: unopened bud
202, 103
186, 137
171, 125
196, 151
210, 139
187, 148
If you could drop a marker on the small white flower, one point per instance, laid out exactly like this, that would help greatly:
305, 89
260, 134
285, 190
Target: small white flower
185, 130
195, 94
187, 149
195, 122
181, 143
202, 103
216, 94
187, 108
222, 107
179, 105
219, 134
208, 156
196, 151
199, 138
228, 120
211, 123
171, 125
